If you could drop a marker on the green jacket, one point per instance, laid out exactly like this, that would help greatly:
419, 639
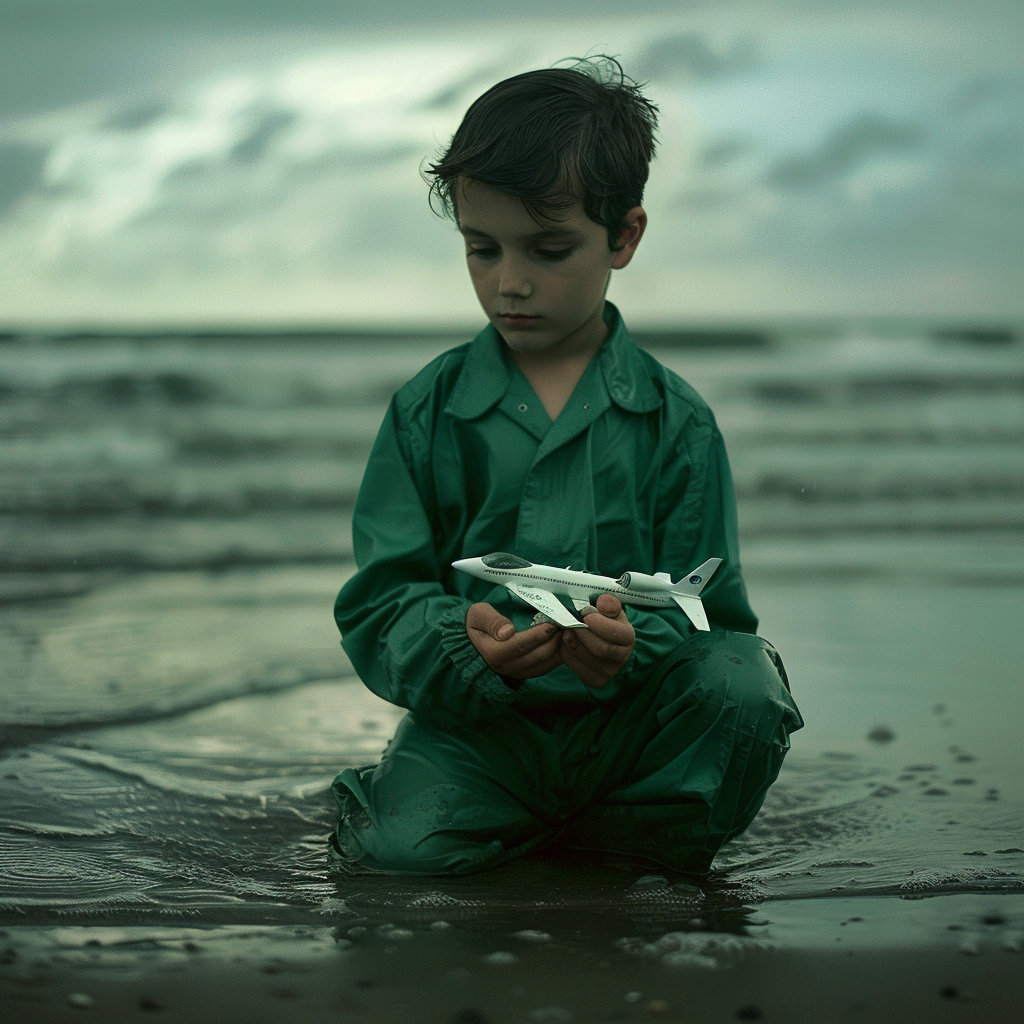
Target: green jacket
632, 475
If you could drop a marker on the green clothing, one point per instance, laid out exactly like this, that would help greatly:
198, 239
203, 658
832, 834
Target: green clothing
665, 763
666, 777
632, 475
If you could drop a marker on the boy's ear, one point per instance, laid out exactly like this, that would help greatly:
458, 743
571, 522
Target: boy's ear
629, 238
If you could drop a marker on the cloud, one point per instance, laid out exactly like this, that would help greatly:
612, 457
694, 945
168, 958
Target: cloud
854, 143
691, 55
21, 169
290, 190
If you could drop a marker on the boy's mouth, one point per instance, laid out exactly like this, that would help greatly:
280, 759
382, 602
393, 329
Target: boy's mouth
519, 320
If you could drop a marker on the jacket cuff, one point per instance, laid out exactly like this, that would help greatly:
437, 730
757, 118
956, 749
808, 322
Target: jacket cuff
476, 673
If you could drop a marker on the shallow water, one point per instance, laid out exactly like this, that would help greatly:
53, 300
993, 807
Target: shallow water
176, 702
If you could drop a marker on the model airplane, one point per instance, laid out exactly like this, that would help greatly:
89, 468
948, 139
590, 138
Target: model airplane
542, 585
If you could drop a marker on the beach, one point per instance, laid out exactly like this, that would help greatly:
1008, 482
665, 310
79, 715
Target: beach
176, 516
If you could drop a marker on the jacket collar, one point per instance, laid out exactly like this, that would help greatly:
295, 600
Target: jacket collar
625, 373
487, 372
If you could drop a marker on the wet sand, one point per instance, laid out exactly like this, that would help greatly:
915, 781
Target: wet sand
173, 865
867, 959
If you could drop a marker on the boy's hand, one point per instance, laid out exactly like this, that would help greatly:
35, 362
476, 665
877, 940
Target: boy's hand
524, 655
596, 653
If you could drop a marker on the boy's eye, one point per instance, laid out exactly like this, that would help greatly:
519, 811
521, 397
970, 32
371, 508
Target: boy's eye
489, 252
553, 254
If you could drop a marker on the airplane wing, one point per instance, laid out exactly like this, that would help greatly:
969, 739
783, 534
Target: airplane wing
694, 608
546, 602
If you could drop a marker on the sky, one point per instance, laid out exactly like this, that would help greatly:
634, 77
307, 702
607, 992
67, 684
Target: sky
230, 165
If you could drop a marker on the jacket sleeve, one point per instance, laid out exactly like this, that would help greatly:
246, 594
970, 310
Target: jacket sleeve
405, 635
696, 520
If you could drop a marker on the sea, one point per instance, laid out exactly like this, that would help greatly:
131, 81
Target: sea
175, 516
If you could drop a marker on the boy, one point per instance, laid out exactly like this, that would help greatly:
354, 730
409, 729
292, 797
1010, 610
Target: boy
553, 436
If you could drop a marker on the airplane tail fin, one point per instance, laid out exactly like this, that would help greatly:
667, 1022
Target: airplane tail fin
686, 593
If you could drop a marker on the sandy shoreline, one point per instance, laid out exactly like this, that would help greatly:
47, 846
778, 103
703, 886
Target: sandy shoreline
947, 958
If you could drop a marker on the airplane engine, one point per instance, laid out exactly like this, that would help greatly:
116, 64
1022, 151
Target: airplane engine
641, 582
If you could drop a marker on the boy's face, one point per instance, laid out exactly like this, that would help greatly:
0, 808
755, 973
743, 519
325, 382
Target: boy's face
541, 286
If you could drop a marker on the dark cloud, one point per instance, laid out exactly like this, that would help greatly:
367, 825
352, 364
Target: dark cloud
977, 93
688, 55
136, 116
723, 151
267, 128
453, 93
21, 170
852, 144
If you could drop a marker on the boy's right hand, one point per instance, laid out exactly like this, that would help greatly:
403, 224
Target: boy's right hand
524, 655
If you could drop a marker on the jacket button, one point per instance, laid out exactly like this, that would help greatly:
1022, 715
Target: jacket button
522, 407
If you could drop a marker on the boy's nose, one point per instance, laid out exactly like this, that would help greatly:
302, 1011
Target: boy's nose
516, 289
513, 283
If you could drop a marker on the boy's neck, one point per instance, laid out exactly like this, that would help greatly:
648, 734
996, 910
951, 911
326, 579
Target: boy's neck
554, 373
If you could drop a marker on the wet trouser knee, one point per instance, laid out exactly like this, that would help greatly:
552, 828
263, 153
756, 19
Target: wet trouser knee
723, 715
677, 768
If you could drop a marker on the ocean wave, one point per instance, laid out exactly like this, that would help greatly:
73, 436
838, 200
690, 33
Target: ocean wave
234, 489
39, 547
208, 789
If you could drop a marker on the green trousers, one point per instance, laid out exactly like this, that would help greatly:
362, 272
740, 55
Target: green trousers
667, 775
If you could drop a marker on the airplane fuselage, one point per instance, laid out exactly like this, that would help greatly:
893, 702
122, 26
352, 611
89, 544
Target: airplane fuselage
544, 585
571, 583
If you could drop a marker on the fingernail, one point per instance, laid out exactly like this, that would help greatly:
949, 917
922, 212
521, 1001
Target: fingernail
504, 632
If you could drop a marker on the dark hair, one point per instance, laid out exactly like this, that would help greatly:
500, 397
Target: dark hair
553, 137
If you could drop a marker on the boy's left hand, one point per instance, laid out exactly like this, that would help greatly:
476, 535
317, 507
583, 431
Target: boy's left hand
596, 653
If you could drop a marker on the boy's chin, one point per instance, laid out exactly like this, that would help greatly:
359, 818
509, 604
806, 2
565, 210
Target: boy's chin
527, 341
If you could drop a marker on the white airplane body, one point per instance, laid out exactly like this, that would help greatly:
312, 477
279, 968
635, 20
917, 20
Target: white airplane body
543, 585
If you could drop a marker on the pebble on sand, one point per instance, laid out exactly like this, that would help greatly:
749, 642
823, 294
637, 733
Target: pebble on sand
469, 1015
531, 935
80, 1000
959, 994
678, 959
440, 926
549, 1015
501, 958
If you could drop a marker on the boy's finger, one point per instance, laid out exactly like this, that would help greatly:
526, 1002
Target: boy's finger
538, 663
587, 675
609, 605
604, 650
523, 645
580, 652
488, 619
618, 630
